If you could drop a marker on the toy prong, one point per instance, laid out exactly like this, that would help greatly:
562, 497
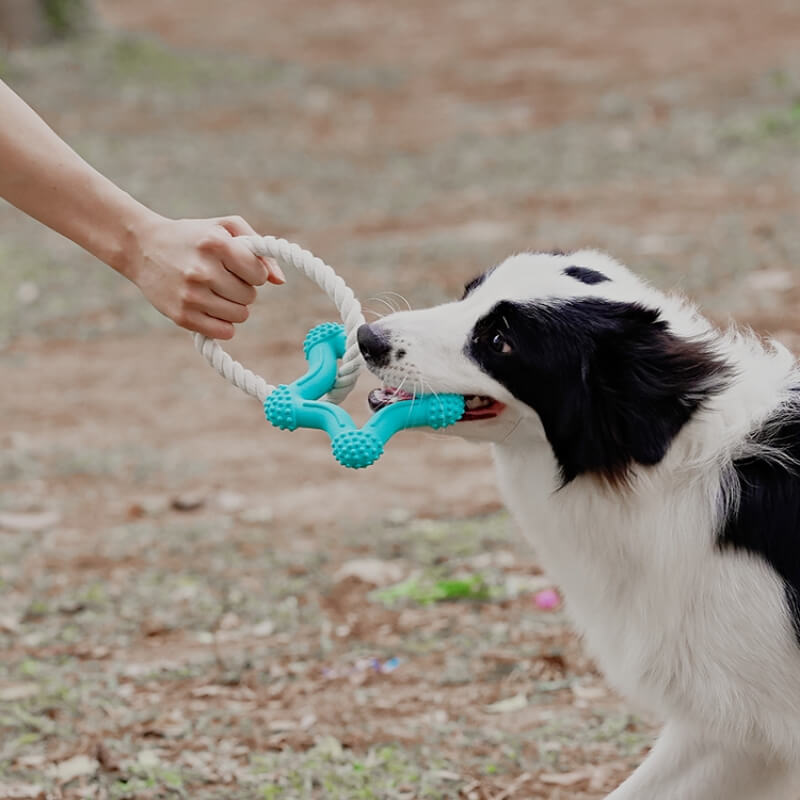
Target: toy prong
298, 405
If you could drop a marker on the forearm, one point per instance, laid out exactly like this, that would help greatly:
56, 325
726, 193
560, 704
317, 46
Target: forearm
196, 272
42, 176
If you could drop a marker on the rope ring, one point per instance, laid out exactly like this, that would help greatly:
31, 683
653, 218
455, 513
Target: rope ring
290, 254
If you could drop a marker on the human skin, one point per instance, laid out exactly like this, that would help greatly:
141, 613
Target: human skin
194, 271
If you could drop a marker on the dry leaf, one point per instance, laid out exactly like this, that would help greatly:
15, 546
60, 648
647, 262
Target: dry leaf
372, 571
21, 791
18, 691
564, 778
74, 767
516, 703
588, 692
32, 522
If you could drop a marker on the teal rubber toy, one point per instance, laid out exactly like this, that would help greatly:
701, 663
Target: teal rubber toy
297, 405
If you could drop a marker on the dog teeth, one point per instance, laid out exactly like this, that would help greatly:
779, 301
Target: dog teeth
476, 401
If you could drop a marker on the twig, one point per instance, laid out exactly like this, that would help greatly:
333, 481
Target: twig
509, 792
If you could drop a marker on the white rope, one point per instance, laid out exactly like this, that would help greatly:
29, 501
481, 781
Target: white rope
345, 301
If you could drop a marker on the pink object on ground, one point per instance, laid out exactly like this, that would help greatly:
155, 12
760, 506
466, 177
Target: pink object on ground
547, 599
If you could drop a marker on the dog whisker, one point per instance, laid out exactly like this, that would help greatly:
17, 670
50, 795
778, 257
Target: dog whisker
400, 297
388, 305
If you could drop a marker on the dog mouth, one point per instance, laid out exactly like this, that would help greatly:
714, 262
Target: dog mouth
476, 406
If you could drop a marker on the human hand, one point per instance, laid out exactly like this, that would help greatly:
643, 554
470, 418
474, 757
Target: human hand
196, 273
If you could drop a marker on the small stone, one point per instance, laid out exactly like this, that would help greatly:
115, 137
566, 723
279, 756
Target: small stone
230, 502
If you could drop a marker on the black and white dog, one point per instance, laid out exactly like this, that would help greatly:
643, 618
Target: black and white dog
654, 463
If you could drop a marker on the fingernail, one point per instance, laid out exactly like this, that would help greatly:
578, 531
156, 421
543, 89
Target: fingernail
277, 272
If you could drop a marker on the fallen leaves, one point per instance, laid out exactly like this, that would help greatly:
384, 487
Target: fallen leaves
29, 521
372, 571
516, 703
75, 767
19, 691
596, 777
21, 791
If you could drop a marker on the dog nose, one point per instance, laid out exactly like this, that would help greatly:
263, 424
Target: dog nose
374, 345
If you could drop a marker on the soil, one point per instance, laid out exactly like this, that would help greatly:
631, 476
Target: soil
186, 620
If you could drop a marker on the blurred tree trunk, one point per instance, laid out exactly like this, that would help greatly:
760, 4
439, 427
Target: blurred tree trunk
35, 21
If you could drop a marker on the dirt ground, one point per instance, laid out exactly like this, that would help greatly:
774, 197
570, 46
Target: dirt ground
195, 605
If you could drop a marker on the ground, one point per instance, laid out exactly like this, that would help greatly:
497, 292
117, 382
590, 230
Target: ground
193, 604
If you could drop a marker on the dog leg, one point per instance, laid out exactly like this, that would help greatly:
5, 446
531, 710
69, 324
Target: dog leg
682, 766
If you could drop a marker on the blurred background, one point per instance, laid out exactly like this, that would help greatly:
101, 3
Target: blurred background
193, 604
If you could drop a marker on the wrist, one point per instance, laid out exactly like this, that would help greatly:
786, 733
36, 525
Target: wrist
126, 245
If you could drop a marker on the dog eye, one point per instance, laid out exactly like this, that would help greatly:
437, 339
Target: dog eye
500, 344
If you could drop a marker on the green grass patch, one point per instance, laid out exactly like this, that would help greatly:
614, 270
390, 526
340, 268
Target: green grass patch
425, 590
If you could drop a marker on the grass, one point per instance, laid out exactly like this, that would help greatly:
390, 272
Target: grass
782, 122
196, 707
428, 589
199, 657
330, 771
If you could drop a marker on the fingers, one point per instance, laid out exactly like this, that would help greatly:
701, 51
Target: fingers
237, 257
225, 284
212, 327
276, 275
236, 226
215, 306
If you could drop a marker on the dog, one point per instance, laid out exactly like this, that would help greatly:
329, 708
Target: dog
653, 461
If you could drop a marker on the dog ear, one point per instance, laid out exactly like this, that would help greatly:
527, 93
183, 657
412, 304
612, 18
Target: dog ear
640, 384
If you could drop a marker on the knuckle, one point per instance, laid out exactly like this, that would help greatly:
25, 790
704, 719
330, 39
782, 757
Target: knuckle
186, 297
250, 295
214, 239
260, 275
198, 274
241, 313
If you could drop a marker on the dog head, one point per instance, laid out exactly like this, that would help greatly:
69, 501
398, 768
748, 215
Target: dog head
573, 349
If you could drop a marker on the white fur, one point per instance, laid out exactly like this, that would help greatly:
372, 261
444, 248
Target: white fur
698, 635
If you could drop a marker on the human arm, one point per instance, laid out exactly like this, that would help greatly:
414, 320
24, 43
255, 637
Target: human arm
193, 271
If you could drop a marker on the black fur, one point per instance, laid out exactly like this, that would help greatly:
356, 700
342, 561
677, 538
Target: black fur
474, 284
766, 521
610, 382
586, 275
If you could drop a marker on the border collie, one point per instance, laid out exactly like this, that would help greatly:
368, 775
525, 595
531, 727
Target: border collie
653, 462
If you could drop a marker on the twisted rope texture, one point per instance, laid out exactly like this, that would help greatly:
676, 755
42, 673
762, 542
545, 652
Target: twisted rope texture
343, 298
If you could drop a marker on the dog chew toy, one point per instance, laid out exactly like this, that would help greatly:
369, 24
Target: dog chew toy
334, 361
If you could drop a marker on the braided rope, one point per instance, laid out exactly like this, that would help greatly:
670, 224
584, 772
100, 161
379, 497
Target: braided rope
345, 301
